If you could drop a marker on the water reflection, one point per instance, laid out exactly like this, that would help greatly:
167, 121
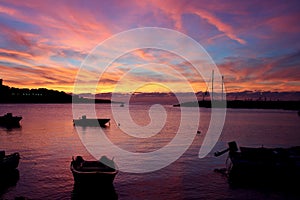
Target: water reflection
9, 129
94, 191
8, 179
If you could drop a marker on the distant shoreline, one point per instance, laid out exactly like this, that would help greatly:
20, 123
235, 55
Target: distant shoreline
53, 100
58, 103
283, 105
9, 95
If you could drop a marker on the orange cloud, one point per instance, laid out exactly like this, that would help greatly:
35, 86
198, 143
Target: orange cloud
274, 74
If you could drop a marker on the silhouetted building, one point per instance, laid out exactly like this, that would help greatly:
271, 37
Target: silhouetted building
1, 82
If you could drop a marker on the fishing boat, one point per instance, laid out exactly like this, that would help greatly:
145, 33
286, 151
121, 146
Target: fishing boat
8, 120
8, 162
261, 165
84, 121
100, 172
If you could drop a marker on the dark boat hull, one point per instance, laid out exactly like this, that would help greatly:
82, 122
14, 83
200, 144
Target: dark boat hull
9, 162
266, 166
91, 122
94, 178
10, 121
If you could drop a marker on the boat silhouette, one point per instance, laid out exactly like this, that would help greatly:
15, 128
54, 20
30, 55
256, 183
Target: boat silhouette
262, 165
8, 120
102, 172
9, 162
84, 121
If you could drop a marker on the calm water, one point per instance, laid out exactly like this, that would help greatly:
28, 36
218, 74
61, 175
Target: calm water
47, 141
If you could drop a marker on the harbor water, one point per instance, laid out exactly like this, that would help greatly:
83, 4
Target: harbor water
47, 140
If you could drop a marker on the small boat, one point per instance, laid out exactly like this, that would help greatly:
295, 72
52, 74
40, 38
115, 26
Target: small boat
8, 120
100, 172
90, 122
8, 162
260, 165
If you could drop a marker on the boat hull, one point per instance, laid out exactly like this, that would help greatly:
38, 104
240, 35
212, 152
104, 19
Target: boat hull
9, 162
262, 166
93, 172
265, 165
91, 122
10, 121
95, 178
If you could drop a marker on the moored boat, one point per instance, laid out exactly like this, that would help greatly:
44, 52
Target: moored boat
9, 162
100, 172
9, 120
84, 121
260, 165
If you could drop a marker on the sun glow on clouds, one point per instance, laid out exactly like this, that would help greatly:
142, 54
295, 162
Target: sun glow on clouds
148, 70
42, 43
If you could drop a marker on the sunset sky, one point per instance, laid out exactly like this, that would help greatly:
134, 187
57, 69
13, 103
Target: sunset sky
255, 44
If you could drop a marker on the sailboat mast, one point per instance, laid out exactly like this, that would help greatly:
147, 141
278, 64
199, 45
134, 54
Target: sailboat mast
212, 85
222, 87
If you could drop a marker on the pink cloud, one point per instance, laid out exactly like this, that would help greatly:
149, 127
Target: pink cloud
221, 26
175, 10
275, 74
15, 36
15, 53
288, 23
7, 10
76, 28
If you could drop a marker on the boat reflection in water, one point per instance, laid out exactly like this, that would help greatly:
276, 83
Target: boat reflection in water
279, 167
8, 179
94, 191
